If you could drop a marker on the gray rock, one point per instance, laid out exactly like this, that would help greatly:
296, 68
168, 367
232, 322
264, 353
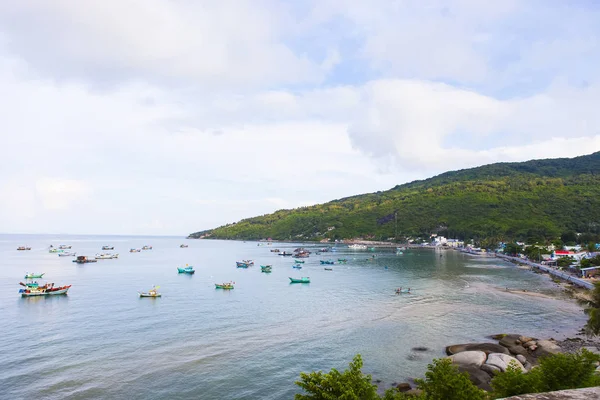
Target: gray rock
546, 348
518, 350
414, 392
475, 358
533, 347
528, 366
529, 343
487, 348
403, 387
509, 340
525, 339
592, 349
490, 369
521, 359
502, 361
573, 394
480, 378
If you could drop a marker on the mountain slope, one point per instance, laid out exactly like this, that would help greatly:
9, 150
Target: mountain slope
533, 199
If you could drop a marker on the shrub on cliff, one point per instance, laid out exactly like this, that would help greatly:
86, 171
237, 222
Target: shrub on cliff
592, 309
443, 381
555, 372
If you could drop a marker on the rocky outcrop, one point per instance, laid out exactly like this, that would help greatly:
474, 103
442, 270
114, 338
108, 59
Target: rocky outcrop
487, 348
502, 361
573, 394
480, 378
469, 358
546, 348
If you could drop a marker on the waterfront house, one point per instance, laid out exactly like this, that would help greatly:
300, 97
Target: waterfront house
589, 272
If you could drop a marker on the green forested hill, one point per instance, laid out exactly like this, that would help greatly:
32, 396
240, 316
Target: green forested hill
537, 199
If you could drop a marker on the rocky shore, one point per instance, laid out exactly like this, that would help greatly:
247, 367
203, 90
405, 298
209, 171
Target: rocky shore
482, 360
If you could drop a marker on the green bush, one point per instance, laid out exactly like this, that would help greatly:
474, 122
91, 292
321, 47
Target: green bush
443, 381
555, 372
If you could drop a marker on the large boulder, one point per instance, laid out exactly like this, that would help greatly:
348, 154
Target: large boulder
475, 358
510, 340
546, 348
491, 370
525, 339
502, 361
518, 350
403, 387
480, 378
487, 348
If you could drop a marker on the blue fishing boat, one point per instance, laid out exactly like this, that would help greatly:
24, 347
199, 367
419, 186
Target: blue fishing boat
327, 262
241, 264
297, 266
186, 270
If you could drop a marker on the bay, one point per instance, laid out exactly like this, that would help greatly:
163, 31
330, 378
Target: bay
102, 341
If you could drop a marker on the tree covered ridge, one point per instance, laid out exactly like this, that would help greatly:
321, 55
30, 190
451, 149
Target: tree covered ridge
536, 199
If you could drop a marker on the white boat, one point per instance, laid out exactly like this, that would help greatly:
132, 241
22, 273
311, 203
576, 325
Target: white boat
357, 246
67, 254
108, 247
64, 247
51, 291
106, 256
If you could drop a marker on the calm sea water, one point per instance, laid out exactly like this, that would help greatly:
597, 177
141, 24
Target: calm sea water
103, 342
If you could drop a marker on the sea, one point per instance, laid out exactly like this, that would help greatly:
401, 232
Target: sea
102, 341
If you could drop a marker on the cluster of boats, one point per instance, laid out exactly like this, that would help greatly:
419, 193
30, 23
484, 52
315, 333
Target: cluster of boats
33, 288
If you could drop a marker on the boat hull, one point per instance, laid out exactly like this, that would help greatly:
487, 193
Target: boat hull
301, 280
34, 276
150, 295
34, 293
225, 287
185, 271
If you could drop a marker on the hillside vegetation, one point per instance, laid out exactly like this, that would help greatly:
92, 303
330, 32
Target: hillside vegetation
537, 199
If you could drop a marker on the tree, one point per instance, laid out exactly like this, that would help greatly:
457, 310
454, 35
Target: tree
592, 309
351, 384
512, 249
443, 381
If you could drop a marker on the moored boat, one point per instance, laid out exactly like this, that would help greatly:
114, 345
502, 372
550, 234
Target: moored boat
84, 260
147, 248
108, 247
342, 260
402, 291
327, 262
106, 256
285, 253
241, 264
55, 250
186, 270
357, 246
151, 293
224, 285
328, 269
67, 254
21, 248
47, 290
33, 275
266, 268
183, 246
274, 250
249, 262
300, 280
299, 261
65, 247
297, 266
135, 250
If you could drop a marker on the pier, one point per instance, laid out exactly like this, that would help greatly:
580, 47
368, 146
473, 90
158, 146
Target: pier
560, 274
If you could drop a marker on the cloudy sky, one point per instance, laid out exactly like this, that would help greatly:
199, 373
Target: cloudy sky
172, 116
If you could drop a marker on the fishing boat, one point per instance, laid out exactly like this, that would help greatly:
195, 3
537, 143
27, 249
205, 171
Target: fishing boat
33, 276
21, 248
67, 254
286, 254
266, 268
342, 260
371, 249
135, 250
299, 261
297, 266
328, 269
402, 291
47, 290
147, 248
249, 262
151, 293
64, 247
183, 246
106, 256
108, 247
302, 254
84, 260
300, 280
55, 250
327, 262
224, 285
186, 270
274, 250
33, 284
357, 246
241, 264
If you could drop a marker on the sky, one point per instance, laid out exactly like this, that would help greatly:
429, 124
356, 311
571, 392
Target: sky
166, 117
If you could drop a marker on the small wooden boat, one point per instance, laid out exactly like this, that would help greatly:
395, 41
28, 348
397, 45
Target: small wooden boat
64, 247
297, 266
186, 270
21, 248
151, 293
33, 276
342, 260
67, 254
47, 290
241, 264
224, 285
108, 247
327, 262
274, 250
302, 254
248, 262
328, 269
299, 261
135, 250
183, 246
357, 246
147, 248
300, 280
106, 256
33, 284
84, 260
285, 254
266, 268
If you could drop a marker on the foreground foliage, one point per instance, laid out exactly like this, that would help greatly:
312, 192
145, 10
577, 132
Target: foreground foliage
556, 372
534, 200
592, 309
